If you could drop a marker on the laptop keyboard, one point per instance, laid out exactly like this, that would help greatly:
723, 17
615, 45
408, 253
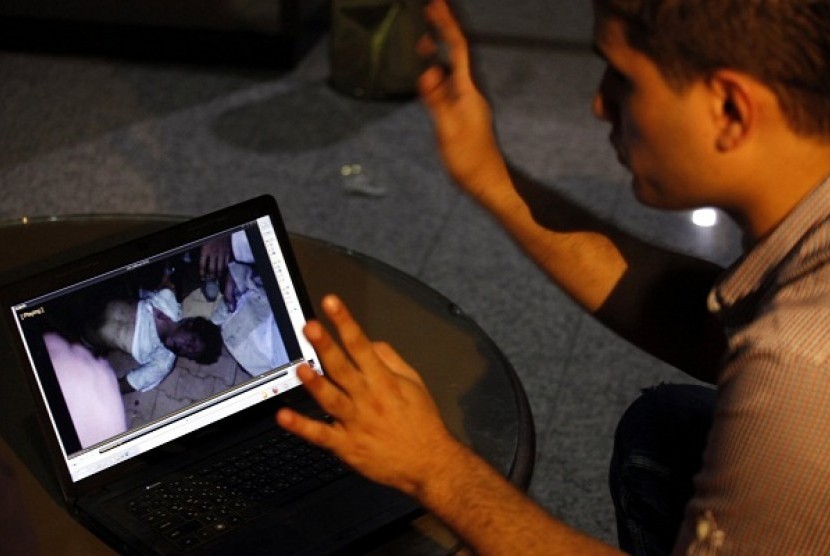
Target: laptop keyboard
222, 493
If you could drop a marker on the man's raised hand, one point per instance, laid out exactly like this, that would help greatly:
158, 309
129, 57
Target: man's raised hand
385, 423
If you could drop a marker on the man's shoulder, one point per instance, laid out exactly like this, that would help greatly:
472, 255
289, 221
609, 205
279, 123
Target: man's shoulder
809, 258
793, 317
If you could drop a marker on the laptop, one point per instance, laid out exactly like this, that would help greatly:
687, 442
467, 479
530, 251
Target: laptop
161, 431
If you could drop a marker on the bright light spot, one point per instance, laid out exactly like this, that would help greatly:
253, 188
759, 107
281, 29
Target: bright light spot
705, 218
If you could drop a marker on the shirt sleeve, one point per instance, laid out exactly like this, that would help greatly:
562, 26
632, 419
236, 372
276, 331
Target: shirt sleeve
765, 483
165, 301
148, 376
241, 248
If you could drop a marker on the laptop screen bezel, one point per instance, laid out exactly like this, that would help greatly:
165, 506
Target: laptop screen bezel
116, 258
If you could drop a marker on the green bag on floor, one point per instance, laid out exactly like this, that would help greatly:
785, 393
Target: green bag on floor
373, 47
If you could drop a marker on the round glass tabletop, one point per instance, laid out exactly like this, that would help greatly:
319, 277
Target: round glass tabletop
475, 386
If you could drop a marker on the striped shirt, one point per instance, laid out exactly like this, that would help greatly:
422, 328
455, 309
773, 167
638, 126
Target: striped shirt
764, 487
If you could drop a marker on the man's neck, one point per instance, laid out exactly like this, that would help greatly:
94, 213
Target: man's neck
780, 184
163, 324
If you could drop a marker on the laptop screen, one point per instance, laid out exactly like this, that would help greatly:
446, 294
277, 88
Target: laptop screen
136, 356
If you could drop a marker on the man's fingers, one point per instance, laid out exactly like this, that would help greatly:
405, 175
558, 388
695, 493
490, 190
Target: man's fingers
313, 431
439, 85
354, 340
426, 47
208, 266
440, 16
332, 399
203, 264
431, 86
213, 261
347, 328
392, 359
210, 259
337, 364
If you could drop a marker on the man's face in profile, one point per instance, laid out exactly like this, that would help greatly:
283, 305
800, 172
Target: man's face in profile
660, 133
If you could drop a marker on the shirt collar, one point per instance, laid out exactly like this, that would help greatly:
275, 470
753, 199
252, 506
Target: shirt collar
751, 271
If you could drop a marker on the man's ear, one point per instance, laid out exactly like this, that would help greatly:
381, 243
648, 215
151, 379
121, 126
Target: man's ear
734, 108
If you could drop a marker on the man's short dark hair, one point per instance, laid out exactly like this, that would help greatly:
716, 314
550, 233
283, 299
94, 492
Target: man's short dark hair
211, 335
784, 44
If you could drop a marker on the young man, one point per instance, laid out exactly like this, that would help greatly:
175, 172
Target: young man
722, 103
153, 330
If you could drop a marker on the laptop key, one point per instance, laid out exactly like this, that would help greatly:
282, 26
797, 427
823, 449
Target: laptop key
225, 492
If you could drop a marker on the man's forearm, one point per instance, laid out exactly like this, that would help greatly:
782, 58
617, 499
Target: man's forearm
492, 516
651, 296
575, 252
387, 427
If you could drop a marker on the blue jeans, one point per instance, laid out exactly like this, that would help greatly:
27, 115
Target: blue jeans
658, 448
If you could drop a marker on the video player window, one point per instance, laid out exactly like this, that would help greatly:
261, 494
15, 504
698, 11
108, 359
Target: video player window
132, 349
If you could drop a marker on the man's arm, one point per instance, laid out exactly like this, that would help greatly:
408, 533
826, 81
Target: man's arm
651, 296
148, 375
387, 426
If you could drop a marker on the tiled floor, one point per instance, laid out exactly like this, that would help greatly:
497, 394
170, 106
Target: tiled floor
87, 135
188, 382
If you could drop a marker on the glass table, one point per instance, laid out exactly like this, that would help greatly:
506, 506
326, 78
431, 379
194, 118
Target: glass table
476, 388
